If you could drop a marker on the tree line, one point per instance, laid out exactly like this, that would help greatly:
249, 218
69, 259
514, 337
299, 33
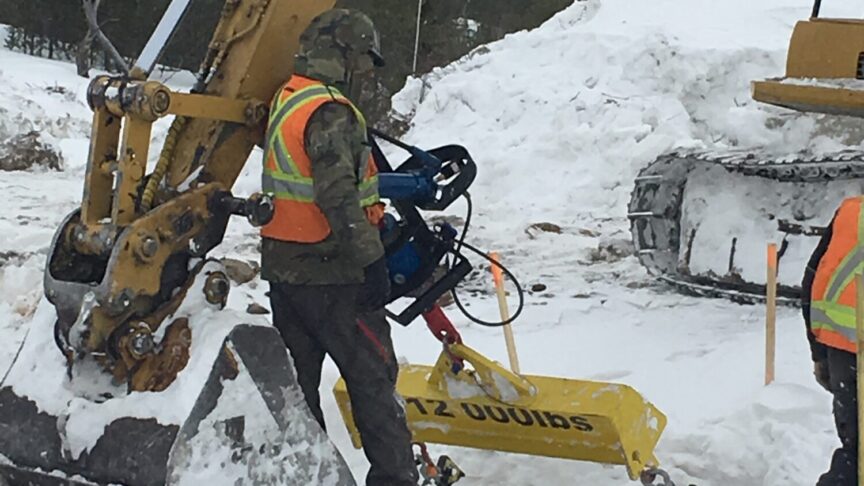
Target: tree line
57, 29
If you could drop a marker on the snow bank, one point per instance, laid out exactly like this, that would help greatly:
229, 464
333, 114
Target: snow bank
33, 100
584, 102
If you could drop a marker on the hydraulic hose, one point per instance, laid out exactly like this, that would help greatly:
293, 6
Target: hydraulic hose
459, 246
163, 164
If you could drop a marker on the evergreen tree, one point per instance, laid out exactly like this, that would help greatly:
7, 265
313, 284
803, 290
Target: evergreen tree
449, 30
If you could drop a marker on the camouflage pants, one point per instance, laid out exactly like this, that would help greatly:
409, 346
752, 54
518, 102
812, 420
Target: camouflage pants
319, 320
844, 386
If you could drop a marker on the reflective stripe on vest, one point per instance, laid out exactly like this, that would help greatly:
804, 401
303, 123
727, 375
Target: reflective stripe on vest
832, 307
287, 172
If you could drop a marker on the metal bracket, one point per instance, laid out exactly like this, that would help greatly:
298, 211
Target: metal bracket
487, 374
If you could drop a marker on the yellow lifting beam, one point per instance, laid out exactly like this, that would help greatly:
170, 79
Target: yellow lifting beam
489, 407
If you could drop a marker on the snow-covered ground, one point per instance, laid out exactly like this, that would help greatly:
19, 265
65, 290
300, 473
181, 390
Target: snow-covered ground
559, 120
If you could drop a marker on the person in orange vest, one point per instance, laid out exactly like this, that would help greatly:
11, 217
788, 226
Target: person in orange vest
322, 252
828, 298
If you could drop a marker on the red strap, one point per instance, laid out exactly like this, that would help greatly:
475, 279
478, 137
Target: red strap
441, 327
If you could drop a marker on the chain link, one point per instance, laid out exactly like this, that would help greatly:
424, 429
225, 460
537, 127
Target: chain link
650, 476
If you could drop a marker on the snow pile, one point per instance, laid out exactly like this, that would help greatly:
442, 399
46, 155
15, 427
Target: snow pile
56, 112
88, 417
281, 445
772, 420
706, 212
584, 102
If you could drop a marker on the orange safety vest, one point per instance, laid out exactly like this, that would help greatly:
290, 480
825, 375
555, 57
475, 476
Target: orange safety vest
287, 175
832, 305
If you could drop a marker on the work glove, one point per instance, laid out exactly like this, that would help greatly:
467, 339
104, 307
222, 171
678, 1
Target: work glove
375, 292
823, 377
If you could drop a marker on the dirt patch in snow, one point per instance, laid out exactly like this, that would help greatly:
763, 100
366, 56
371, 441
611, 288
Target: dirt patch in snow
611, 250
27, 151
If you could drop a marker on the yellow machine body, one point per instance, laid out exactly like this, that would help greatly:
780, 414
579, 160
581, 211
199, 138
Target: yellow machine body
824, 69
489, 407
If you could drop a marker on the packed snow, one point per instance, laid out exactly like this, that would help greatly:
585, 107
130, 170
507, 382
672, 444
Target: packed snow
743, 233
559, 120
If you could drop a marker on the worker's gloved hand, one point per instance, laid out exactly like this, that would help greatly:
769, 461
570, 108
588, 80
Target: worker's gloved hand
820, 371
376, 287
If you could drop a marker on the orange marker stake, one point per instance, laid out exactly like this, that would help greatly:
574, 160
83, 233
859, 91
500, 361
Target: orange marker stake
771, 314
498, 277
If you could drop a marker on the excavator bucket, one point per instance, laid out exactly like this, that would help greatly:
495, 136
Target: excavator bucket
489, 407
235, 413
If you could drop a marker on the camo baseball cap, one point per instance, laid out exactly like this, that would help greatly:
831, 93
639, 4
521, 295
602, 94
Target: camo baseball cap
340, 39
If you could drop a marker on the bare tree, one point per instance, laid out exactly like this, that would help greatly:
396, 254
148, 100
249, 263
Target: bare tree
83, 54
94, 32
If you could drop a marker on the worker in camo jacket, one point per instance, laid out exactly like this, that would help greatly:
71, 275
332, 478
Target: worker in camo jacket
828, 299
322, 252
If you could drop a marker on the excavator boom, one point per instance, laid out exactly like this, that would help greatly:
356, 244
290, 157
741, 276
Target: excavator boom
130, 244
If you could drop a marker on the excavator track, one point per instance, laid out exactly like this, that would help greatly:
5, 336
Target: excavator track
664, 245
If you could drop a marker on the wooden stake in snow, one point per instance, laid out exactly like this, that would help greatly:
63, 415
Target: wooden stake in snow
498, 277
859, 340
771, 314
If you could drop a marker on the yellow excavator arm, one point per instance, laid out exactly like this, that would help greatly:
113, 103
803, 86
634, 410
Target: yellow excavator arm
115, 264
